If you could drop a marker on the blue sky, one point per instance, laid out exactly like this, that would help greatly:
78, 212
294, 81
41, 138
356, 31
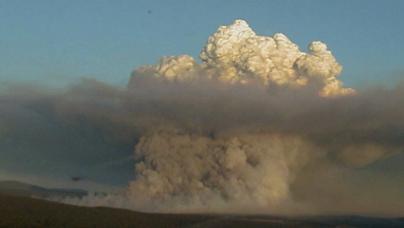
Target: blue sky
56, 42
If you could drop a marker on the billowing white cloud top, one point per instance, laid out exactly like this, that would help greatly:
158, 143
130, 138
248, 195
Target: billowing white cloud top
235, 54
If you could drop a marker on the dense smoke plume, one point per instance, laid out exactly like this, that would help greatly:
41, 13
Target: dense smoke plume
255, 127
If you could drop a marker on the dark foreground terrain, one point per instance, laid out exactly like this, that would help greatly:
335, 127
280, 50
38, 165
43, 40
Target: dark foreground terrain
19, 211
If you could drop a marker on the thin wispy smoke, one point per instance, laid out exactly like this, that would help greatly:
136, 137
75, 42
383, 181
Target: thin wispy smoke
259, 126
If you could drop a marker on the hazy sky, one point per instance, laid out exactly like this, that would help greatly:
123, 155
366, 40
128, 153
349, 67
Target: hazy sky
54, 42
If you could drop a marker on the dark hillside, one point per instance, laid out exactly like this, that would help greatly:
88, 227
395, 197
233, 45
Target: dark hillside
18, 211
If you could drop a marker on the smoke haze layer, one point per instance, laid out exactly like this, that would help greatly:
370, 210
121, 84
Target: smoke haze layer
257, 127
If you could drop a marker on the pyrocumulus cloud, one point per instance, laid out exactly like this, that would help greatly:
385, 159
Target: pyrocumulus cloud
257, 125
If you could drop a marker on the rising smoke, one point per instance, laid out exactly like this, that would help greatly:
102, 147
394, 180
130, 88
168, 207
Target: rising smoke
257, 126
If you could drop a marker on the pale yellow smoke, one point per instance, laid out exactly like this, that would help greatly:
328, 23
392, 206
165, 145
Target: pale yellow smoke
182, 170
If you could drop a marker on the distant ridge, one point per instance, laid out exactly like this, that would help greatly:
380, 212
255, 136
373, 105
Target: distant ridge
16, 188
